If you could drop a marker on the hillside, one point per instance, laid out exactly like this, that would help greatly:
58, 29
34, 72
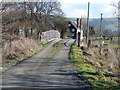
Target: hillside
109, 25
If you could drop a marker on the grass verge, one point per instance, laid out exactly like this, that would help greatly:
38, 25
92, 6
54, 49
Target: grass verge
54, 51
7, 63
87, 71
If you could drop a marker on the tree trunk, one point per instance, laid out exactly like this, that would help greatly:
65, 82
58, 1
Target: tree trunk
38, 33
31, 33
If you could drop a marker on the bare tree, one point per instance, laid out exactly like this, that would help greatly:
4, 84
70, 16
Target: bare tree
31, 17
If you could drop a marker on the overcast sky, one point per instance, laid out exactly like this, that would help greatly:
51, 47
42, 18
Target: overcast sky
78, 8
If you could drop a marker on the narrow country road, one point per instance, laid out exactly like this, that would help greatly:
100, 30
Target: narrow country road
35, 72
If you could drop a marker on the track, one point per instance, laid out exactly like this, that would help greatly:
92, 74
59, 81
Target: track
35, 73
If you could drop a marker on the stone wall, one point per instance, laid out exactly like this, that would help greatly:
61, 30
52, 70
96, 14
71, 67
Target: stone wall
49, 35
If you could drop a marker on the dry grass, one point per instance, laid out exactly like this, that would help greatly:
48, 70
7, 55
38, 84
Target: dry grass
18, 50
107, 62
17, 47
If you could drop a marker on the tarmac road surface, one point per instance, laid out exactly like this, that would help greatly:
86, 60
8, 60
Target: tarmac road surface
35, 72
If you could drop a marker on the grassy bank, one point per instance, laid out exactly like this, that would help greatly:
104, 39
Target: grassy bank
7, 63
87, 71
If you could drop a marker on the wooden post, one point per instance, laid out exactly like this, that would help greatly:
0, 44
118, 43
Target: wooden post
77, 22
78, 39
81, 33
89, 43
77, 35
101, 34
80, 23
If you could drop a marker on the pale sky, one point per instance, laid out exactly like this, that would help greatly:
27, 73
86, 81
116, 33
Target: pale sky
78, 8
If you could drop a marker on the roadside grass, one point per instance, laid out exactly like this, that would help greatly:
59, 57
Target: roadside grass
7, 63
87, 71
54, 51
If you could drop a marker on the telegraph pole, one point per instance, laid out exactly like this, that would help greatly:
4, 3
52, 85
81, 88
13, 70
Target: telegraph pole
87, 36
101, 34
78, 32
77, 22
81, 33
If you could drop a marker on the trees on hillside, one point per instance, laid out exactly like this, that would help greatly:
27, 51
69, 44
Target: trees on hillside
61, 26
91, 31
28, 18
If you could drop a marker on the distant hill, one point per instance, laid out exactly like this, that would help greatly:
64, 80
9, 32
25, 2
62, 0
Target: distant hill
109, 25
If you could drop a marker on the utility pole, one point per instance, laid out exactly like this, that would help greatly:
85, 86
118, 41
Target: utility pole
87, 36
78, 32
101, 34
77, 22
81, 33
